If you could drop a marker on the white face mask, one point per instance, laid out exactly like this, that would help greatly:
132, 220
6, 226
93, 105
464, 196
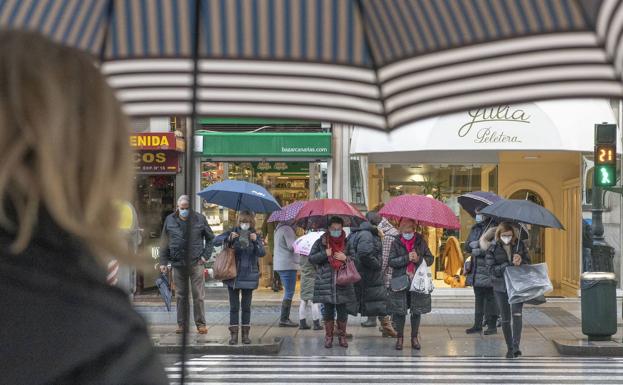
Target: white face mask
245, 226
479, 218
506, 239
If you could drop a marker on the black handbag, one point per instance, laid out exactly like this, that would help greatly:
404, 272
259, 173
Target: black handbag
399, 283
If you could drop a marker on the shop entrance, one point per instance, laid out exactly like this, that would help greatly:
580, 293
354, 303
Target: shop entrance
536, 234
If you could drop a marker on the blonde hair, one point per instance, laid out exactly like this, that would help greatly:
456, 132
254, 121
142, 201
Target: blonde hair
505, 227
247, 216
63, 144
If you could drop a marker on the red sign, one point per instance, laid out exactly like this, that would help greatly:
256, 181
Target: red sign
154, 141
156, 162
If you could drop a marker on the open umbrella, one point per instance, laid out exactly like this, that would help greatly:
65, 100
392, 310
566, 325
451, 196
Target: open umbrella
287, 213
240, 195
165, 290
304, 244
366, 62
316, 214
424, 210
523, 211
477, 200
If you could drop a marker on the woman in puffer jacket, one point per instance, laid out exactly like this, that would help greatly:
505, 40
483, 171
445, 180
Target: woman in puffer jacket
507, 250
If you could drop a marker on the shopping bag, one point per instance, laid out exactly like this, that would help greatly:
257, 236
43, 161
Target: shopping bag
526, 282
225, 264
422, 280
347, 274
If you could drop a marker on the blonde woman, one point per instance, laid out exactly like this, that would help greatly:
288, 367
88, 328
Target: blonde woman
64, 162
507, 250
248, 246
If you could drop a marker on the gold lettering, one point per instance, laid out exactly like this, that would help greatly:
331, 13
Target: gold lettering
161, 157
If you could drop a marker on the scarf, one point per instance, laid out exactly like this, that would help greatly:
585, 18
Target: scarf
336, 245
410, 245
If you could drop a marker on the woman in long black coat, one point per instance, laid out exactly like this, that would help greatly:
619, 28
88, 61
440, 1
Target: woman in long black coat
407, 253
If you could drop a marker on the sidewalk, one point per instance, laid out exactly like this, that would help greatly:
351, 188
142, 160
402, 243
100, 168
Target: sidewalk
442, 331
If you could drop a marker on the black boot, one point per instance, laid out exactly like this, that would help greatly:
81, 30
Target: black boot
303, 324
491, 326
317, 325
284, 321
477, 328
245, 335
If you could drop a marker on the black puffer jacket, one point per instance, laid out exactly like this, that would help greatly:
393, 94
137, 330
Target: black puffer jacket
398, 260
173, 241
479, 275
61, 322
325, 289
365, 248
498, 260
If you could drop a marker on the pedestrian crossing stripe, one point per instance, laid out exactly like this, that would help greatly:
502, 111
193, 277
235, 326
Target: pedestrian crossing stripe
398, 370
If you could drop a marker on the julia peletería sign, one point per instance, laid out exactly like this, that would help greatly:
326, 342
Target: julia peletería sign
483, 122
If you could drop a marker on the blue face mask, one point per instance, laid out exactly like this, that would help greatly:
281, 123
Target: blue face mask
408, 236
184, 213
336, 233
479, 218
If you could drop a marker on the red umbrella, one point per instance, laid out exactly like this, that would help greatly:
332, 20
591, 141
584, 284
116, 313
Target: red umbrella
424, 210
316, 213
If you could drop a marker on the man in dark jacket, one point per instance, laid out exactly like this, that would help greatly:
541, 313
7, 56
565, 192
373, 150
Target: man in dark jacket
365, 247
478, 277
172, 251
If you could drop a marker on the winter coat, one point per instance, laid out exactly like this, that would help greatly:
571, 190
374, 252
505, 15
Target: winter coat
325, 289
365, 248
398, 260
390, 233
247, 259
308, 277
497, 261
284, 257
173, 239
61, 322
479, 276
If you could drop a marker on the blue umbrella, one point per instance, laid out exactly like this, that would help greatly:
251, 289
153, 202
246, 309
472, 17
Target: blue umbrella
165, 290
239, 195
477, 200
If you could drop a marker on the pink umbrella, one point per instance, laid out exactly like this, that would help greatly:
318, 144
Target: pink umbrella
424, 210
287, 213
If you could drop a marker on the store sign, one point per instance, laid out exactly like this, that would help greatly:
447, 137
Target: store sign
482, 122
286, 145
156, 141
156, 162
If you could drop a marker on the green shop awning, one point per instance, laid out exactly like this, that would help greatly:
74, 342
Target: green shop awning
266, 145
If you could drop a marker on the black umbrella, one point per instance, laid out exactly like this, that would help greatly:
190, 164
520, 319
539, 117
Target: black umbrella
523, 211
165, 290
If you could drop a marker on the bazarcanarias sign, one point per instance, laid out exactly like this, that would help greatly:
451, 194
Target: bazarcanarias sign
267, 145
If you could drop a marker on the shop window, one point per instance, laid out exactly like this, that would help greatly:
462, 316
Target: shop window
356, 182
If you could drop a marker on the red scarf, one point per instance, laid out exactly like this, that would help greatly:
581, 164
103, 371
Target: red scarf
336, 245
409, 244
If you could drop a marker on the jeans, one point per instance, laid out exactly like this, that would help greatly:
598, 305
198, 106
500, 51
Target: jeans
512, 336
485, 302
329, 309
234, 306
400, 321
197, 286
288, 277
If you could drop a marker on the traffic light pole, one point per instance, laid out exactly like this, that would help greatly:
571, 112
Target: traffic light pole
602, 255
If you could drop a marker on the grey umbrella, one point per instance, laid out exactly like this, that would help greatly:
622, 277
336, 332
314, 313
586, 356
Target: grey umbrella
523, 211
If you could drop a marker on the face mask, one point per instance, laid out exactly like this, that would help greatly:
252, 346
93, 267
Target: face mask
184, 213
408, 236
479, 218
245, 226
506, 239
336, 233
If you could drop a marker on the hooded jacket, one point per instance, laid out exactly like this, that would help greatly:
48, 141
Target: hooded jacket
497, 260
325, 289
247, 259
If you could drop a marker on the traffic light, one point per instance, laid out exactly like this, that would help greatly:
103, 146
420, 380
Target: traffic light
605, 155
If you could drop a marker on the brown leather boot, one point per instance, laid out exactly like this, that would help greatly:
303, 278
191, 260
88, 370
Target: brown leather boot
388, 328
245, 335
233, 335
399, 342
328, 334
415, 343
341, 337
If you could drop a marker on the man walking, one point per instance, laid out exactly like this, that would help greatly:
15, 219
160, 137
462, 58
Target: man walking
173, 245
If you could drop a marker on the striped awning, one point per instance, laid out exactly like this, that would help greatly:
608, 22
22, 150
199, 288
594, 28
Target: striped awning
374, 63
